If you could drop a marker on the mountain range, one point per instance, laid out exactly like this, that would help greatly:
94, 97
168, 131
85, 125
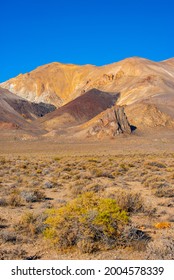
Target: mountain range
65, 99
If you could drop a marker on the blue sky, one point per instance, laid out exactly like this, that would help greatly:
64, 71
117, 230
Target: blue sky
35, 32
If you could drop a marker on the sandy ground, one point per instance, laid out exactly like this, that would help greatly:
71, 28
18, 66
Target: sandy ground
160, 141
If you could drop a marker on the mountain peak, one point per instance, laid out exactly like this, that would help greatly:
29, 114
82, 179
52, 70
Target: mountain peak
59, 83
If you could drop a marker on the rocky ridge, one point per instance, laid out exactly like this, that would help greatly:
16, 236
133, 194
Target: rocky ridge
55, 83
111, 122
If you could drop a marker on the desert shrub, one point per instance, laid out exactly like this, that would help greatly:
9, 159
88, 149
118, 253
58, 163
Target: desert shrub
87, 219
48, 185
161, 249
129, 201
13, 254
33, 196
96, 172
57, 158
86, 175
67, 169
134, 238
2, 220
123, 167
8, 236
131, 164
31, 224
94, 187
164, 192
27, 224
45, 171
159, 185
154, 182
156, 164
76, 190
3, 202
2, 160
93, 160
65, 176
108, 174
15, 199
87, 246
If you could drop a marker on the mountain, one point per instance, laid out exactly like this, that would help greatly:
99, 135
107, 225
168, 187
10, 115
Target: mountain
134, 78
53, 83
17, 113
83, 94
80, 110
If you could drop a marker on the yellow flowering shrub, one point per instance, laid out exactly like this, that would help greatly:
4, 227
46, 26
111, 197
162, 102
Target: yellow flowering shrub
88, 218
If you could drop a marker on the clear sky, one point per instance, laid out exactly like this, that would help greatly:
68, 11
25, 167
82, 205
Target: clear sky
36, 32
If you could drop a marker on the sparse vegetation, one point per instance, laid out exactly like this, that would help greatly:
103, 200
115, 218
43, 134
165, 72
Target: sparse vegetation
83, 193
15, 199
162, 249
130, 201
31, 224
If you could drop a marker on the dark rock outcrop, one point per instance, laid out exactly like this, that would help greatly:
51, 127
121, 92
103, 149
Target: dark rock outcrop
112, 122
30, 110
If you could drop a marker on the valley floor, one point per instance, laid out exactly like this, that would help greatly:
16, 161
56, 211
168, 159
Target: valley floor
37, 175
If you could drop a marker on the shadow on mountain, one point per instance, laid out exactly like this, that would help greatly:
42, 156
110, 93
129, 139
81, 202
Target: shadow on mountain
17, 113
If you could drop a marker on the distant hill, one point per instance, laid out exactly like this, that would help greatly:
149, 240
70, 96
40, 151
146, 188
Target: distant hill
16, 112
80, 110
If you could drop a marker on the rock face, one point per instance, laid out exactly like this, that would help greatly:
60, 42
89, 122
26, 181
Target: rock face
112, 122
30, 110
121, 121
17, 113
